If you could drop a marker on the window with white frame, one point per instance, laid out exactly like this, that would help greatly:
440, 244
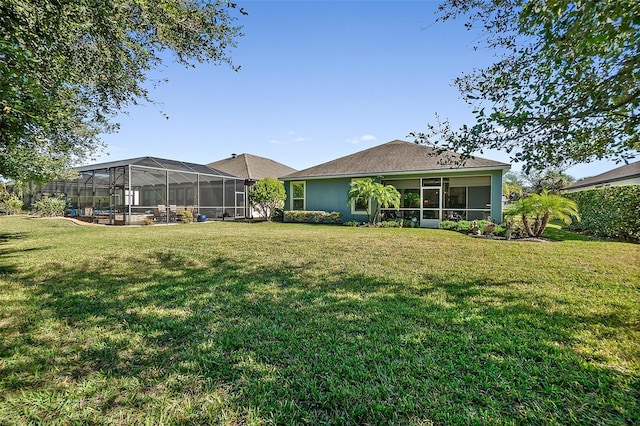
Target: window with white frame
297, 195
359, 205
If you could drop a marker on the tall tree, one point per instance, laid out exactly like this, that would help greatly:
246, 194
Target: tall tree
513, 186
550, 180
566, 87
68, 67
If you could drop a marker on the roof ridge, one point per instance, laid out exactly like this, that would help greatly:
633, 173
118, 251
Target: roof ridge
246, 163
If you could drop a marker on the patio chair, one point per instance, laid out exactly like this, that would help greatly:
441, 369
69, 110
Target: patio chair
159, 215
173, 212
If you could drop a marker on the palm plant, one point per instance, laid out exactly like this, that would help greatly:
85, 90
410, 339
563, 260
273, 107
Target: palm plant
362, 189
386, 196
537, 210
373, 193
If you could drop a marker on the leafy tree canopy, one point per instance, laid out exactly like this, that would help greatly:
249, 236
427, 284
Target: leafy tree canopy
68, 67
515, 185
565, 88
266, 196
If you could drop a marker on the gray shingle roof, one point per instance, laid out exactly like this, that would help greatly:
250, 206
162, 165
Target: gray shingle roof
627, 171
394, 157
160, 163
252, 167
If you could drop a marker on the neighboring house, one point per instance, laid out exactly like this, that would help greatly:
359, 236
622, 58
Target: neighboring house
625, 175
251, 168
432, 187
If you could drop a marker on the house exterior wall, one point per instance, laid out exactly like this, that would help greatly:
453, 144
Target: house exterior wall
330, 194
496, 196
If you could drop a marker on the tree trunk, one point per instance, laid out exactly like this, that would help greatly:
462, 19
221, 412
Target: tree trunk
527, 226
543, 225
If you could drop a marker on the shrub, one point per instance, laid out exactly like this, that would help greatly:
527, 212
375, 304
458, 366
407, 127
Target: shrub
352, 223
536, 210
408, 223
302, 216
266, 196
185, 216
398, 223
278, 215
500, 231
11, 205
49, 207
466, 226
463, 226
448, 225
612, 212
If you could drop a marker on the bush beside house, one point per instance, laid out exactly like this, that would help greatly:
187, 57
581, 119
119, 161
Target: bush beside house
11, 205
301, 216
267, 195
612, 212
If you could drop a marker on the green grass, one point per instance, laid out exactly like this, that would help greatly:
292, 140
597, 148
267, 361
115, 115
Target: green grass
235, 323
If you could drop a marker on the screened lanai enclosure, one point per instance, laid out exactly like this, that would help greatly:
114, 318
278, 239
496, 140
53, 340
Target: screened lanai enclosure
142, 189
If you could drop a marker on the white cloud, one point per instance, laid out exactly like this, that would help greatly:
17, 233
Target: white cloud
364, 138
300, 139
275, 142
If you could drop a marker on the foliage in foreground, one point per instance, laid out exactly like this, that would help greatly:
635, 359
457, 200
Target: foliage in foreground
564, 89
67, 68
229, 323
612, 212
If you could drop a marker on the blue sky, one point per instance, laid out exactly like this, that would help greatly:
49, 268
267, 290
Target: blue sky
318, 80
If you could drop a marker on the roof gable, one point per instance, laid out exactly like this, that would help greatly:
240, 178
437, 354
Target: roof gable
252, 167
394, 157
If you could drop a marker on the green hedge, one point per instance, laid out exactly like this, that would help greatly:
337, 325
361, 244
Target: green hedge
612, 212
301, 216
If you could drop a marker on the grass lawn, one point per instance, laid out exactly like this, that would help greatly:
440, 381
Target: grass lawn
234, 323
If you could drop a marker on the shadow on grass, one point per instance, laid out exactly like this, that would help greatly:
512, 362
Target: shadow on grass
232, 340
559, 234
6, 237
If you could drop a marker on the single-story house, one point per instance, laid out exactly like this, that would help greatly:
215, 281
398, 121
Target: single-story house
433, 187
251, 168
626, 175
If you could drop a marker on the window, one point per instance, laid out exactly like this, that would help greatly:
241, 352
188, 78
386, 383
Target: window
297, 195
456, 198
410, 198
359, 205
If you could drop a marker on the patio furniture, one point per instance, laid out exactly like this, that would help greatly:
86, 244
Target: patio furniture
173, 212
159, 214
